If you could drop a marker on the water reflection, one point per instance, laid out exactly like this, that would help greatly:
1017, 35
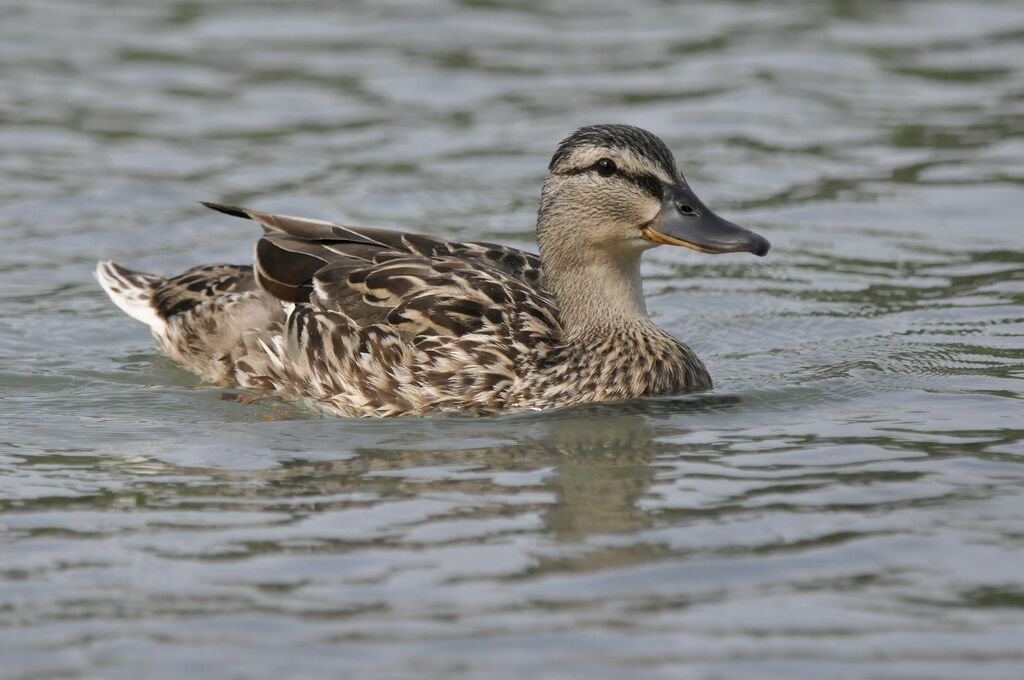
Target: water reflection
586, 471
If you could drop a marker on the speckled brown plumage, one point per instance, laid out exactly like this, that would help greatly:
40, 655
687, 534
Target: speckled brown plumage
375, 322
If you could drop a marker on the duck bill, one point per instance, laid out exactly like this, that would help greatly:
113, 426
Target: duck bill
685, 221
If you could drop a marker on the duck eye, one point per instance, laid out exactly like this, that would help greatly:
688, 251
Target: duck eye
606, 167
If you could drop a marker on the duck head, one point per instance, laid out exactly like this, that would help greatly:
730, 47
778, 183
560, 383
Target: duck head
617, 186
612, 192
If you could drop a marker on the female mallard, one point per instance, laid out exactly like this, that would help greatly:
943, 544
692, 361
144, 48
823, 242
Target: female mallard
373, 322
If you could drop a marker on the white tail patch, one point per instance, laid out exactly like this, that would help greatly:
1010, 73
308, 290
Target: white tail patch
132, 292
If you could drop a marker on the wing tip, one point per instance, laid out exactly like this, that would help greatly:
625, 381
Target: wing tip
227, 209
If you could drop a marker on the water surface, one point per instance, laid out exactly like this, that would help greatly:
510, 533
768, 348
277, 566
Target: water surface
847, 503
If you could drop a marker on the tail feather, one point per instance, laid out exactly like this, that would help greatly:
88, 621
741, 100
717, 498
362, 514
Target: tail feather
132, 292
232, 210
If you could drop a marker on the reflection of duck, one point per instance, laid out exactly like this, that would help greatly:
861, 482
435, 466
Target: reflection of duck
374, 322
580, 474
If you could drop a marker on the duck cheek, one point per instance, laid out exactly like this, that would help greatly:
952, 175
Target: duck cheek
605, 233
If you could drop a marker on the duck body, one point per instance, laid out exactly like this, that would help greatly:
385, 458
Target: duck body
376, 322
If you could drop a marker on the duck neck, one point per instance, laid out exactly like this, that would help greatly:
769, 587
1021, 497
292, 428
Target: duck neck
597, 289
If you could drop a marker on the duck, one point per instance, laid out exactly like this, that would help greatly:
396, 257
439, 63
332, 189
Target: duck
373, 322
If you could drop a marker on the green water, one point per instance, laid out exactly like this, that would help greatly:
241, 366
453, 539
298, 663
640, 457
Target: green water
848, 502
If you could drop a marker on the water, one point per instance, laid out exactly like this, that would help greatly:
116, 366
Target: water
847, 503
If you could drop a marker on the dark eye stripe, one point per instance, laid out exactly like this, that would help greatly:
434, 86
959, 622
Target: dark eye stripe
649, 183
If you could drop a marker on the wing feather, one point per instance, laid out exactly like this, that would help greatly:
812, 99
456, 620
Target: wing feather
422, 289
294, 249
